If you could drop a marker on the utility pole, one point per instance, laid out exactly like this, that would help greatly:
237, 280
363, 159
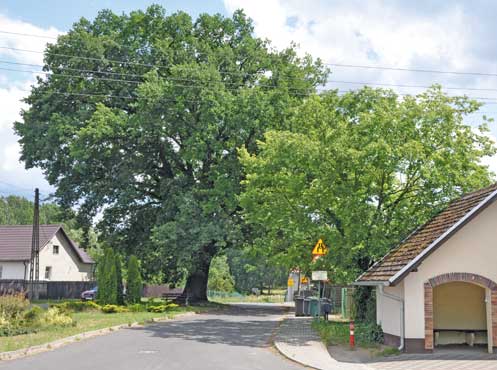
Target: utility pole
34, 265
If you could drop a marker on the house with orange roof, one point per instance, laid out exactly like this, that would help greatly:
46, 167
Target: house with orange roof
439, 285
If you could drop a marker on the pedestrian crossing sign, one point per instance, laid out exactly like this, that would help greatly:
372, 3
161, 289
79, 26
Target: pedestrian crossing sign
320, 249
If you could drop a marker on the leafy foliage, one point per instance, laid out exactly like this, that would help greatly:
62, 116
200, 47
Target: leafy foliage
78, 306
113, 308
161, 163
252, 269
107, 278
220, 278
134, 282
119, 280
361, 171
364, 304
337, 332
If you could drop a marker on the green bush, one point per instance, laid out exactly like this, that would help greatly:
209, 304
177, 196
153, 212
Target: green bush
137, 307
364, 304
112, 308
78, 306
369, 333
12, 307
55, 317
157, 308
332, 332
10, 331
119, 280
161, 307
33, 315
107, 278
134, 281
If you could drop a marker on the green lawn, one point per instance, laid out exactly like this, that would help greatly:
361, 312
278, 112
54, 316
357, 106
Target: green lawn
86, 321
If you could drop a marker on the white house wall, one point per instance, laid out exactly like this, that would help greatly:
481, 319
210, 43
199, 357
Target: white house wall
473, 249
388, 310
12, 270
66, 265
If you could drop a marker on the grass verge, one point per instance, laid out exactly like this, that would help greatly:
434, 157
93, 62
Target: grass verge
249, 299
88, 321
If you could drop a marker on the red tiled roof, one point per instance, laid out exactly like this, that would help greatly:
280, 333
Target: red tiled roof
15, 242
421, 239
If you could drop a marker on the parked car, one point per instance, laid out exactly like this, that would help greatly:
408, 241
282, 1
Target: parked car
89, 295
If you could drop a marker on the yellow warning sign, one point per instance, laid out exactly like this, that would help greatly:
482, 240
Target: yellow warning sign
320, 249
290, 282
304, 280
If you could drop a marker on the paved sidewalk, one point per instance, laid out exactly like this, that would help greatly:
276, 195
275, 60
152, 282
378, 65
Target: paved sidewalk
441, 359
296, 340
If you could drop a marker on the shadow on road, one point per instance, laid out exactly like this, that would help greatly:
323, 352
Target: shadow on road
239, 325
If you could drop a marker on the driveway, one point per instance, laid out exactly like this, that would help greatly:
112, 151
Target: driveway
235, 339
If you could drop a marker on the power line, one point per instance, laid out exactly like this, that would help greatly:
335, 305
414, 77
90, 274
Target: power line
343, 65
410, 86
213, 81
72, 69
92, 78
411, 69
28, 35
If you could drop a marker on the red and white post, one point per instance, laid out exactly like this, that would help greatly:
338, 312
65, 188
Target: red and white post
352, 337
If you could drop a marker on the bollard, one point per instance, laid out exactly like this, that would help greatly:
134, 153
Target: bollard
352, 338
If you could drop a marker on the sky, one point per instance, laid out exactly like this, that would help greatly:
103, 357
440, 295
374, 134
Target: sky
450, 36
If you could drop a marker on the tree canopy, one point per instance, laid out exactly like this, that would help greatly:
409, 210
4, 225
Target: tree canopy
140, 118
360, 170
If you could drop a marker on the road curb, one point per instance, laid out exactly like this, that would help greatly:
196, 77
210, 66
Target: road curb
24, 352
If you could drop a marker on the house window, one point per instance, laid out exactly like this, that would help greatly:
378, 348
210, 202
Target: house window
55, 249
48, 272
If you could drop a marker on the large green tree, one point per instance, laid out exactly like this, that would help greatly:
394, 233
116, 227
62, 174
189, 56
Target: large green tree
156, 154
360, 170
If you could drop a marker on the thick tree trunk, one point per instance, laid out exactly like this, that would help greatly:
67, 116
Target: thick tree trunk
196, 283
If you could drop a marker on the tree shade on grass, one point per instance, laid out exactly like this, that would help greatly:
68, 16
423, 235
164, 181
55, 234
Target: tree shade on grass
156, 155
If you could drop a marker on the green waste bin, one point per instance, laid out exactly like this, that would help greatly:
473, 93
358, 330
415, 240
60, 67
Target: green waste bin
314, 307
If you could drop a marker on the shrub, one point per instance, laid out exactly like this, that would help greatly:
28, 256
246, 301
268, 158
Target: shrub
161, 307
33, 315
77, 306
137, 307
134, 281
119, 281
364, 304
13, 306
112, 308
107, 278
332, 332
369, 333
157, 308
53, 316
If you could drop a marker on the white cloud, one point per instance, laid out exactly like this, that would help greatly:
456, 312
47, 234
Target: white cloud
424, 34
22, 42
15, 86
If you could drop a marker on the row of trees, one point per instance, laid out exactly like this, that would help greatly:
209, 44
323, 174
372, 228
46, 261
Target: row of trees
17, 210
110, 279
220, 142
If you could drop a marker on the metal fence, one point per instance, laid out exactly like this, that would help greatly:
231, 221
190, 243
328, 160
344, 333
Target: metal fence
341, 297
46, 289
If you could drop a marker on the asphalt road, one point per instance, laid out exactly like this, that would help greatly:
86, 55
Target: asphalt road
237, 339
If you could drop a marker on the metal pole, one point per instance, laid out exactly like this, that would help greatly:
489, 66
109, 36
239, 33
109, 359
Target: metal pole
34, 265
